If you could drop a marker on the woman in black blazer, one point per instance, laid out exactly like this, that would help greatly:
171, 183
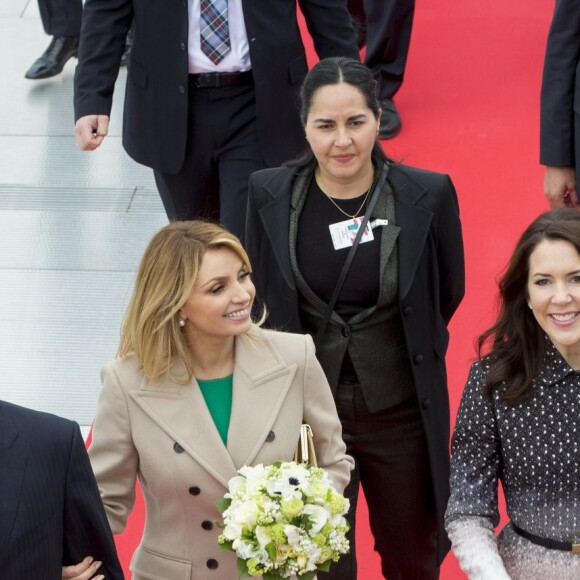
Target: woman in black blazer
383, 350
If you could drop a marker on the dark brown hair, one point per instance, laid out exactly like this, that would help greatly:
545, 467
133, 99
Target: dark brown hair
516, 342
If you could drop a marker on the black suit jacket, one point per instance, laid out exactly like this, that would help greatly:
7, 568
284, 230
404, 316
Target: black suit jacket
560, 99
431, 286
51, 512
155, 118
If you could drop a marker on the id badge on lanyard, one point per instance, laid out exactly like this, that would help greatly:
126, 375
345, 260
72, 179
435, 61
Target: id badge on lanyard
344, 233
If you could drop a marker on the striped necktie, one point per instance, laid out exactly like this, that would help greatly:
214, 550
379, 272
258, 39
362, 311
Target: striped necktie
215, 33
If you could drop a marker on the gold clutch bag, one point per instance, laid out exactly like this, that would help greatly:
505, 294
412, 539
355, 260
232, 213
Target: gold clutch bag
305, 452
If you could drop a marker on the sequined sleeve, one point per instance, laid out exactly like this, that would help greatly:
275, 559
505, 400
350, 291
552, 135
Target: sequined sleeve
472, 512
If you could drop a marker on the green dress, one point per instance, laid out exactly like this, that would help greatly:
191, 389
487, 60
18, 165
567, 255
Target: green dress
218, 398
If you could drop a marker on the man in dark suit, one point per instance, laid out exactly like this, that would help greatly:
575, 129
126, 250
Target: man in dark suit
384, 26
560, 106
204, 118
51, 512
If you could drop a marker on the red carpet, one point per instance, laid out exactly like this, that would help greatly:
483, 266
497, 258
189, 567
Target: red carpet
470, 107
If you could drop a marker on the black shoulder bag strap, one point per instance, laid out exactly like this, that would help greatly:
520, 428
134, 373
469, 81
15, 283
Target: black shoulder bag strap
347, 263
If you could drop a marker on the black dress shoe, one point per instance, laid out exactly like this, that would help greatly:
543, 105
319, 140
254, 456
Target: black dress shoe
53, 59
390, 125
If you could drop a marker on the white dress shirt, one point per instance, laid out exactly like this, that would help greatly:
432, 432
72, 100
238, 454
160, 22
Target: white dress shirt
237, 59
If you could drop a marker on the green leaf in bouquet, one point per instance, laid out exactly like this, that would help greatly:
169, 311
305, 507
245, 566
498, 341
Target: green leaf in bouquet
325, 566
223, 504
307, 576
271, 549
242, 568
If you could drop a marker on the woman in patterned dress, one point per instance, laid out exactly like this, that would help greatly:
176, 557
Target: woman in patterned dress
519, 419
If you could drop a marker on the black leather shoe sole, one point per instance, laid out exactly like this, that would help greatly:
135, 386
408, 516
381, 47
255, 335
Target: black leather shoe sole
53, 59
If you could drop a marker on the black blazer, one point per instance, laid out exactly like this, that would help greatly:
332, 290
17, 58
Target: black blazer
560, 98
155, 117
51, 512
431, 286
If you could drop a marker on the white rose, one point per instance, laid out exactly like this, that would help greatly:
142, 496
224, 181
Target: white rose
233, 531
246, 514
293, 534
317, 515
244, 550
237, 484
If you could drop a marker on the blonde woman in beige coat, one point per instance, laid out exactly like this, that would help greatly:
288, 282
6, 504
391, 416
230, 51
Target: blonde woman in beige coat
198, 391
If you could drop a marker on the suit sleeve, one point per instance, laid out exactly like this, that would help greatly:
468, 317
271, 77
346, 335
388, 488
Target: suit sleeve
450, 256
472, 512
331, 28
559, 84
86, 529
253, 236
103, 33
113, 456
320, 413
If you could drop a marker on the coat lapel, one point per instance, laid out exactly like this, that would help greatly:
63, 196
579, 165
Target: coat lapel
181, 411
389, 235
414, 223
12, 467
261, 382
274, 216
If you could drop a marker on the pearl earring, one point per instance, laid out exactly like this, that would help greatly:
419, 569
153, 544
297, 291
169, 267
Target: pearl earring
530, 305
181, 322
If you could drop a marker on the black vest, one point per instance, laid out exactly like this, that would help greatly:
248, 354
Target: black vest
374, 337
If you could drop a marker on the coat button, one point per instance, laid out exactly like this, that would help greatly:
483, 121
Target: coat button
407, 311
194, 490
425, 403
418, 359
178, 448
212, 564
182, 45
207, 525
181, 89
270, 437
345, 331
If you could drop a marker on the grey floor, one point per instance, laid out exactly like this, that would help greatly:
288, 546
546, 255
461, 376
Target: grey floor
73, 226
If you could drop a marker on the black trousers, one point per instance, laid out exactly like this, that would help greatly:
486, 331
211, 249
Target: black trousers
61, 17
391, 464
388, 35
222, 152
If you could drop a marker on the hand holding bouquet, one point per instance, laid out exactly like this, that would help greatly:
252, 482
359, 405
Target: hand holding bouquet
282, 520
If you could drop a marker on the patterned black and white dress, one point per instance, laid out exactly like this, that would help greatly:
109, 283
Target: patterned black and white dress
534, 450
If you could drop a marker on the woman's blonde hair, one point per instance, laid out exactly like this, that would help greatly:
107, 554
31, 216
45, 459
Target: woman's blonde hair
165, 278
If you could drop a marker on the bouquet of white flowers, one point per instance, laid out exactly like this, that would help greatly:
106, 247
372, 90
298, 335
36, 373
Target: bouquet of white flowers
283, 519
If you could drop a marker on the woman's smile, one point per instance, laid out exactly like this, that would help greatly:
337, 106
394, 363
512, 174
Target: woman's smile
242, 314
